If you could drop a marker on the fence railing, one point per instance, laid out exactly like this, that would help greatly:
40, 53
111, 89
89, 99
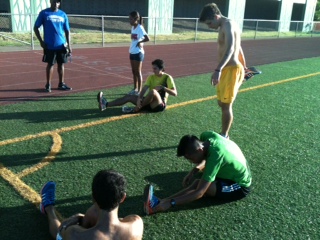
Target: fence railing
99, 30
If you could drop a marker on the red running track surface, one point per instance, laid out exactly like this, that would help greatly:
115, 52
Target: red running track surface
22, 74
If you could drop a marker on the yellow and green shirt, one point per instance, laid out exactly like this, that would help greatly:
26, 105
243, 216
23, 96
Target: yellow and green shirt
165, 80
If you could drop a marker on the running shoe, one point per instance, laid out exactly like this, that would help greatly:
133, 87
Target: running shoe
150, 200
102, 101
48, 87
47, 193
126, 109
63, 86
251, 72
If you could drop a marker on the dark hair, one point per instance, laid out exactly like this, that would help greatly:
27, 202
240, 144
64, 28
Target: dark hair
136, 15
187, 145
209, 11
108, 189
159, 63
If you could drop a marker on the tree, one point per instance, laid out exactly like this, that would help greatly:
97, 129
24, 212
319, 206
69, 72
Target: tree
317, 12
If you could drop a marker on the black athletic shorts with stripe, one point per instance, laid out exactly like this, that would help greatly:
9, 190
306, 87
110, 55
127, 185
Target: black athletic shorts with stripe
229, 190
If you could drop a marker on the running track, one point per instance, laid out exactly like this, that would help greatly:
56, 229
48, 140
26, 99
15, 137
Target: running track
22, 74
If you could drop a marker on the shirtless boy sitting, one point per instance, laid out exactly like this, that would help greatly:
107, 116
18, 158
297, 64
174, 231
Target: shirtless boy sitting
101, 221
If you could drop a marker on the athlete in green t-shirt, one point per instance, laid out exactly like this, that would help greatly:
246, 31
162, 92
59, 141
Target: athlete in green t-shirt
225, 172
153, 96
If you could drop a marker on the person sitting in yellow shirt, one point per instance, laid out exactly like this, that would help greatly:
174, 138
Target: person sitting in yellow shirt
160, 86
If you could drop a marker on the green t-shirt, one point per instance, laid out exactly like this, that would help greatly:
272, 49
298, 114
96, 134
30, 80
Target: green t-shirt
165, 80
225, 160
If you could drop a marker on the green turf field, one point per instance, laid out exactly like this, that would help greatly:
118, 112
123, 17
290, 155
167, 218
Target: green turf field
67, 140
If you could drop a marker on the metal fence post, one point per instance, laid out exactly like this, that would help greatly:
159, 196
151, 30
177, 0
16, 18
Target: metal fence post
255, 32
155, 31
196, 32
31, 31
102, 29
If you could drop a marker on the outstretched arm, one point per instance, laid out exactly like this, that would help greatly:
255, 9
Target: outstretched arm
195, 191
187, 179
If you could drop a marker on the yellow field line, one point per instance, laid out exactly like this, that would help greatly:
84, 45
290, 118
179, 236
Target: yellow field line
23, 189
55, 149
242, 90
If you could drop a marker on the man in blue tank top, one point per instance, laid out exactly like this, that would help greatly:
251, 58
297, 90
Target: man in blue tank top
55, 42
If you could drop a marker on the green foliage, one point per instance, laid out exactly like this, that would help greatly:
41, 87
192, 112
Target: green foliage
276, 127
317, 12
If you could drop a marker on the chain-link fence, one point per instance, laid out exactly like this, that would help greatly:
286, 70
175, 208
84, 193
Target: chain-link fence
16, 31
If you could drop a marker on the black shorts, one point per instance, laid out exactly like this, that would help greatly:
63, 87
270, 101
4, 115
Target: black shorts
229, 190
137, 57
160, 108
54, 56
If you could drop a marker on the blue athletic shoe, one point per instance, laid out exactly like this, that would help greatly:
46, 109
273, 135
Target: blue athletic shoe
47, 193
150, 200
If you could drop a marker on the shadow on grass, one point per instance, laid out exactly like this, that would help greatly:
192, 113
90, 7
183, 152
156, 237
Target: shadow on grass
67, 111
23, 222
30, 159
61, 115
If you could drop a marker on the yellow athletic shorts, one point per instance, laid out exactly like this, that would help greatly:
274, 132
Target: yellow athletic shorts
230, 81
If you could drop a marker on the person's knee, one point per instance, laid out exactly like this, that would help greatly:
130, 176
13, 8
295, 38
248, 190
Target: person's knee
212, 190
154, 92
50, 66
135, 69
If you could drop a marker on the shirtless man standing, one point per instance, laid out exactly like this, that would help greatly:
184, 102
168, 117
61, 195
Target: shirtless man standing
229, 73
101, 221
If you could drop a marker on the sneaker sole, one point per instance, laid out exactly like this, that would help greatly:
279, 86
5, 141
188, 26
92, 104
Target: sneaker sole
146, 196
